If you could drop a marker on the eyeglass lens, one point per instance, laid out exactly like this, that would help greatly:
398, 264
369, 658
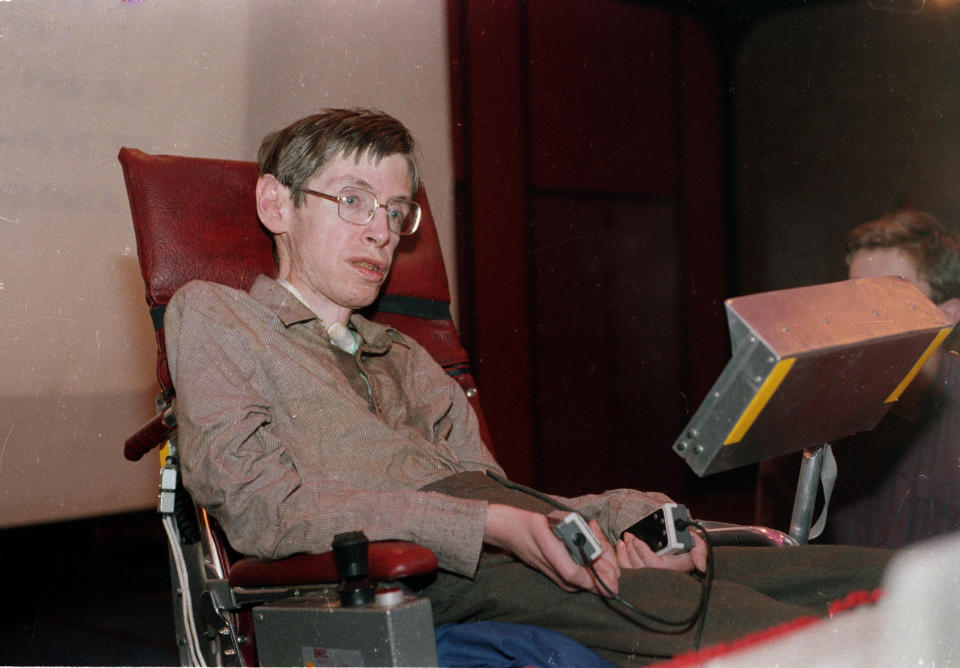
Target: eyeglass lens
358, 206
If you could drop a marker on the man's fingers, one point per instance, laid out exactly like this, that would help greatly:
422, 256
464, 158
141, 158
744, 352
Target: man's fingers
644, 557
628, 554
643, 553
610, 577
699, 552
565, 571
608, 555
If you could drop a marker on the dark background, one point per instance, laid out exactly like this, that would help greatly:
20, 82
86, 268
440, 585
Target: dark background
621, 168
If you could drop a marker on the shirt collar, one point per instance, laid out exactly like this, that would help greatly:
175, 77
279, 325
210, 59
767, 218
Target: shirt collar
291, 311
281, 301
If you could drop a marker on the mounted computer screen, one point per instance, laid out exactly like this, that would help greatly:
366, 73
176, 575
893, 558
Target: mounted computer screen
811, 365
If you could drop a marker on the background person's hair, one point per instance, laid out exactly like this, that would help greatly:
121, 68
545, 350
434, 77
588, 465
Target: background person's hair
934, 249
297, 152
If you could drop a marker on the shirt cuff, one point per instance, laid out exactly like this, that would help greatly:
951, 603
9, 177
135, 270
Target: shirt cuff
454, 530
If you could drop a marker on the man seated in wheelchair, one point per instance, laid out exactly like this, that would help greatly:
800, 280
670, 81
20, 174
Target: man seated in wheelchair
300, 419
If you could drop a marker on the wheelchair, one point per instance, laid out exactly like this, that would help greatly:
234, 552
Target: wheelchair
195, 218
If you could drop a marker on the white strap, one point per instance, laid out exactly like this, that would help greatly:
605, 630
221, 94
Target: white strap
343, 338
828, 477
340, 335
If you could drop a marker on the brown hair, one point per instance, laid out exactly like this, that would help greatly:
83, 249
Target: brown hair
297, 152
934, 250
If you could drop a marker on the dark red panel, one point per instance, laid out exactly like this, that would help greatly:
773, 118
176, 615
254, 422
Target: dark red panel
602, 96
704, 236
588, 122
608, 344
501, 305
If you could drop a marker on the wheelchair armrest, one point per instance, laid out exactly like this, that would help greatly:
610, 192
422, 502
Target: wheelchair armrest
389, 560
150, 435
722, 533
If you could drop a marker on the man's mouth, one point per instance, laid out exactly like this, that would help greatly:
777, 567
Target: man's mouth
370, 265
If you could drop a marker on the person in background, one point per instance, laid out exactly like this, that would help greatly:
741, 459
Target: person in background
900, 482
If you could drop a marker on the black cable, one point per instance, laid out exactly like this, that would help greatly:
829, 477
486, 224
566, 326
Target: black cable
685, 624
700, 613
184, 511
707, 580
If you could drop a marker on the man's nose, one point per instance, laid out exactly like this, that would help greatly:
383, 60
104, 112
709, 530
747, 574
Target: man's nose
378, 229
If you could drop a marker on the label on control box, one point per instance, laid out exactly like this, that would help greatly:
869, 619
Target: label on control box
330, 656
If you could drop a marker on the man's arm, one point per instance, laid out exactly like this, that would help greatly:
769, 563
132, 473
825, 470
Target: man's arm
237, 463
528, 536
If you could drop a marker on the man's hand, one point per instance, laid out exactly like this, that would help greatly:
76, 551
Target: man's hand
530, 539
634, 553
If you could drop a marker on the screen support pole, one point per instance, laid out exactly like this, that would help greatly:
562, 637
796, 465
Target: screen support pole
807, 485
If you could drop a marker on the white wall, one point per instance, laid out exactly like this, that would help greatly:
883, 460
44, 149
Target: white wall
81, 79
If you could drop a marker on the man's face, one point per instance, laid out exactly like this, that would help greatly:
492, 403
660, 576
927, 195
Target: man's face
875, 262
338, 266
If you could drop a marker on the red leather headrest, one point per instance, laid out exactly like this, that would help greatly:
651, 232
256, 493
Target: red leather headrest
418, 269
196, 218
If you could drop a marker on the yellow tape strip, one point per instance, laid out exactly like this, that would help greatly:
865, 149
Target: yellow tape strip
759, 401
938, 339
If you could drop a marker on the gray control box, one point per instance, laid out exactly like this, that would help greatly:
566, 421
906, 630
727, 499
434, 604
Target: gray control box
314, 630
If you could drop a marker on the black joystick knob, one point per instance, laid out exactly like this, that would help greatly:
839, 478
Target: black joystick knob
350, 555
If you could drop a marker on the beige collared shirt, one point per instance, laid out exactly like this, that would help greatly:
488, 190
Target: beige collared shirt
287, 440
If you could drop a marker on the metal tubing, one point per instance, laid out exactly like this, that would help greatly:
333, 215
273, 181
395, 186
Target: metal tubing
807, 485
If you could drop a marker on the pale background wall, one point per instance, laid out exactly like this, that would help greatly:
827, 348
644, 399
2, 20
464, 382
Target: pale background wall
81, 79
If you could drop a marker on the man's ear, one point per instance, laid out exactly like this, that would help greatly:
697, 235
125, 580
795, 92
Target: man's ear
271, 196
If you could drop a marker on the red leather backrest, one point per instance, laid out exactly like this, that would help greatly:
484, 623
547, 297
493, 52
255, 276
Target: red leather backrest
196, 218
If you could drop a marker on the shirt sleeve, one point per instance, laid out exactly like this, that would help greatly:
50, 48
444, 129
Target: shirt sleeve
237, 467
425, 383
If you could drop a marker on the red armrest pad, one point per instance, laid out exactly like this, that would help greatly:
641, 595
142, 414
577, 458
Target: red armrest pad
147, 437
389, 560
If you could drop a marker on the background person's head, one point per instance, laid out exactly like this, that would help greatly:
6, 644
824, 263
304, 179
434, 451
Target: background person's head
910, 244
917, 247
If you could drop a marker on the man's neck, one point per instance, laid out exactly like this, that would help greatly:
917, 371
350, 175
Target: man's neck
342, 316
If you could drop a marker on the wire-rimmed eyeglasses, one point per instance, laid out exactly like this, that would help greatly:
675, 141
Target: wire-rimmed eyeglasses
358, 206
